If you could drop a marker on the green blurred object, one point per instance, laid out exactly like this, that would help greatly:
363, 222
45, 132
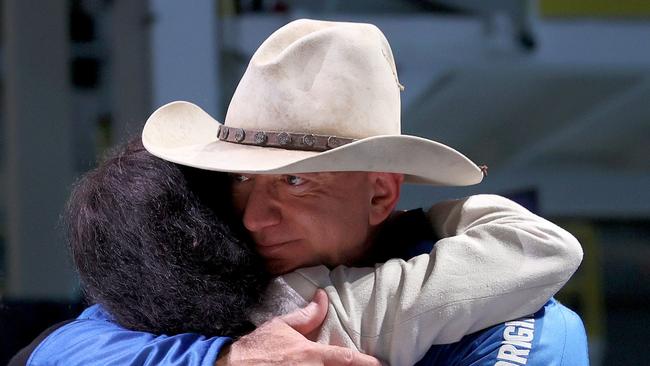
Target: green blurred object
586, 287
595, 8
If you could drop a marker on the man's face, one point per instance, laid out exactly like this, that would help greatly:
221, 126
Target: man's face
305, 219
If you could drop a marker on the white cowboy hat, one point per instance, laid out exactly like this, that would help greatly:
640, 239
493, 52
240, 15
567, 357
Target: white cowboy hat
317, 96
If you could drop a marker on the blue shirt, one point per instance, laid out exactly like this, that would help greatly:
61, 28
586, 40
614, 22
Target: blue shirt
94, 339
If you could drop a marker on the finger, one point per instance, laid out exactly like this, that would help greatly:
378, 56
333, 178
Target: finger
309, 318
334, 356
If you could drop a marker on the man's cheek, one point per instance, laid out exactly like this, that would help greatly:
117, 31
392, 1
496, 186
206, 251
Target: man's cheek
239, 197
238, 205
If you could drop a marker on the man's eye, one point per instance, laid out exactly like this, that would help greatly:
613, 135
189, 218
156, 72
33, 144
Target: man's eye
294, 180
239, 178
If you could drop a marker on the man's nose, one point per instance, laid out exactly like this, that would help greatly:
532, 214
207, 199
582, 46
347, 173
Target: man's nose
261, 209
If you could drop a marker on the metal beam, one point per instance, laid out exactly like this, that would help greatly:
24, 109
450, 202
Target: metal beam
605, 114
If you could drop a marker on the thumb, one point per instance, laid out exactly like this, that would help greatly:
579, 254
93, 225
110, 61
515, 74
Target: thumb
306, 320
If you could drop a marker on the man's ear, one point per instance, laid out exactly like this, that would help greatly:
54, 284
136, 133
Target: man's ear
386, 190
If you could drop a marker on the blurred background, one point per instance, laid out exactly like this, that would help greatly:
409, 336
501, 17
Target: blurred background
552, 95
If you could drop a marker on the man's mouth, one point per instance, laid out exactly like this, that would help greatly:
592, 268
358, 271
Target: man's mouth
269, 249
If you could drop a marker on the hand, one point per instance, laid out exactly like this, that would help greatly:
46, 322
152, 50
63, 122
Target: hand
282, 341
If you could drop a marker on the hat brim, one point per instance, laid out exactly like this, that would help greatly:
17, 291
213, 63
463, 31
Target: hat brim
183, 133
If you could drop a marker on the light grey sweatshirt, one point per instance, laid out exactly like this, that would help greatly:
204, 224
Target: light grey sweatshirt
496, 262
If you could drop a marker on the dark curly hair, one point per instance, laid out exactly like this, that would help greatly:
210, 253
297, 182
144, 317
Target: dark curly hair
157, 245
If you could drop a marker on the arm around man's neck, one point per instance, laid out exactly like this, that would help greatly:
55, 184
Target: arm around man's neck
496, 261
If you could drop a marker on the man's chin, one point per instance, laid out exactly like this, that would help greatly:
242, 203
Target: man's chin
278, 267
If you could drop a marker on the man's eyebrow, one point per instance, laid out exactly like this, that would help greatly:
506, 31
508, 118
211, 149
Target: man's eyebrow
310, 174
317, 175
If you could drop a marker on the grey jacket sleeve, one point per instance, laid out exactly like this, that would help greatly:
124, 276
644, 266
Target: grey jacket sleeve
497, 261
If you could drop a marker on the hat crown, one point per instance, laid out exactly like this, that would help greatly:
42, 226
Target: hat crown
327, 78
